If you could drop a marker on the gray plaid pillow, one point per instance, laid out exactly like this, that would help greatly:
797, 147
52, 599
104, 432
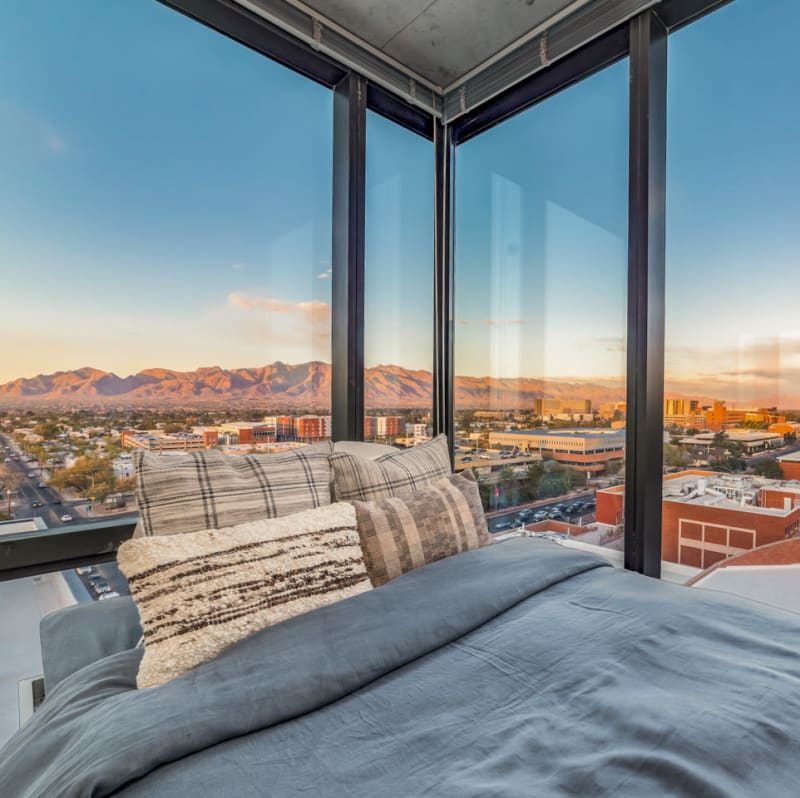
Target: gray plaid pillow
397, 474
211, 490
398, 535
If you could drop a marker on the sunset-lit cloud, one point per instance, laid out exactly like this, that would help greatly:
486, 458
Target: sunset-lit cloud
313, 308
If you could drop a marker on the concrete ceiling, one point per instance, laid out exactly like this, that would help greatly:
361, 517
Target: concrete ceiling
440, 40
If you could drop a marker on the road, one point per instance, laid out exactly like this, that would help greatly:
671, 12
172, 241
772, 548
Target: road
501, 522
53, 505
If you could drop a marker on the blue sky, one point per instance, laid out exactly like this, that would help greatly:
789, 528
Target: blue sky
165, 201
733, 204
166, 195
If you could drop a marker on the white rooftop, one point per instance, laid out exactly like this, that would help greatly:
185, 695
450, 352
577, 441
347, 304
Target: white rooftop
776, 585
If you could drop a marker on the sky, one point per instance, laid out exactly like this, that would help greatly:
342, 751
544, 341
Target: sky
165, 200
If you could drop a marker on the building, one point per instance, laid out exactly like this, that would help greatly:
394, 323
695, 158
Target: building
615, 411
751, 440
708, 517
157, 441
685, 413
719, 416
382, 427
547, 407
283, 426
586, 450
790, 465
311, 428
786, 428
243, 432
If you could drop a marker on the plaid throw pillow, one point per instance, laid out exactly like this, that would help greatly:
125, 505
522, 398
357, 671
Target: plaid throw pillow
199, 593
396, 474
398, 535
210, 490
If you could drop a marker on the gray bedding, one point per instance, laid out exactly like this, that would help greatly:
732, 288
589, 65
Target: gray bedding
522, 669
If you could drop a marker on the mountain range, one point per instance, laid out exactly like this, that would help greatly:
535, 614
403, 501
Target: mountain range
286, 386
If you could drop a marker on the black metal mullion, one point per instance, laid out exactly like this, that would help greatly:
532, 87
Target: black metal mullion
443, 363
646, 245
349, 189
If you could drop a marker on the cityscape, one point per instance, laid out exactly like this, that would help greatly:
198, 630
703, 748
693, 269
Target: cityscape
551, 464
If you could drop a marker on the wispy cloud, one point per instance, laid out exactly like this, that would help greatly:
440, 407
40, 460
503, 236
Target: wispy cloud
237, 267
313, 308
325, 275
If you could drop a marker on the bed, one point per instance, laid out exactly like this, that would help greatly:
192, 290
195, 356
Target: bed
523, 668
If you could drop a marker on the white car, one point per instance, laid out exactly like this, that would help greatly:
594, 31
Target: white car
66, 517
110, 594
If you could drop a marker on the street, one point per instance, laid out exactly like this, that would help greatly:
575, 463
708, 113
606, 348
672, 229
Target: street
52, 505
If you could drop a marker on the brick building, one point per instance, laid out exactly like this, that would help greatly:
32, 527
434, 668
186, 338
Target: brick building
707, 517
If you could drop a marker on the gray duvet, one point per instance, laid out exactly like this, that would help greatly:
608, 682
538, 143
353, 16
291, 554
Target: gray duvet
522, 669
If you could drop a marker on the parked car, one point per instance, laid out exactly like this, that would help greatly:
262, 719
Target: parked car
37, 503
101, 587
57, 500
501, 526
540, 515
484, 457
32, 475
94, 578
66, 517
84, 570
42, 485
524, 515
111, 594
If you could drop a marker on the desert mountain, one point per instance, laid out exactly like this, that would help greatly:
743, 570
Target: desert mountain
283, 385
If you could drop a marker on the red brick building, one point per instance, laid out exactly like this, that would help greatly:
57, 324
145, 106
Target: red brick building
707, 517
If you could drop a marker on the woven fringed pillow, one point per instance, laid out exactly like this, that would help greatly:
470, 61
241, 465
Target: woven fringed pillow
201, 592
400, 534
210, 490
396, 474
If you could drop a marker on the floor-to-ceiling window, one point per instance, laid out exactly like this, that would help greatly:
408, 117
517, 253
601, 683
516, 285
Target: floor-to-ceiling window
398, 284
540, 275
165, 269
732, 384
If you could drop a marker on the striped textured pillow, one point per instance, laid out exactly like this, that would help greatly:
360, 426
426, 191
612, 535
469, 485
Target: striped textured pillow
209, 490
400, 534
396, 474
200, 592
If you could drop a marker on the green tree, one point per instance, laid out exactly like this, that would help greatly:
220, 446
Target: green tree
49, 430
675, 456
90, 476
771, 469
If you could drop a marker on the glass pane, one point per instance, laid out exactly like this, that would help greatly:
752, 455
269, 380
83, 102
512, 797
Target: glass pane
165, 243
732, 402
398, 284
541, 265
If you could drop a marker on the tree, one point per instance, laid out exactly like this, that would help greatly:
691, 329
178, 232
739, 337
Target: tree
768, 468
47, 429
675, 456
90, 476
